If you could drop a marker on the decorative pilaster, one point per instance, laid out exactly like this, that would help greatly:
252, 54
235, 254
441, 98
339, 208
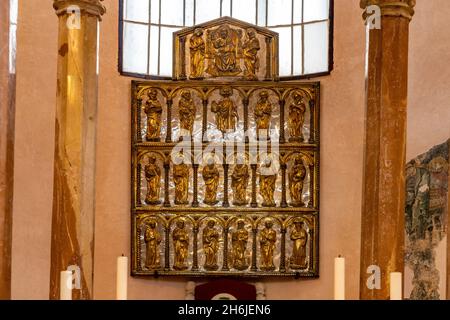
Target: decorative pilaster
166, 184
167, 249
268, 59
74, 165
312, 174
254, 203
283, 185
311, 241
282, 120
138, 184
183, 58
139, 122
283, 250
225, 249
169, 121
245, 102
254, 237
205, 121
383, 202
139, 246
195, 250
195, 202
226, 202
312, 129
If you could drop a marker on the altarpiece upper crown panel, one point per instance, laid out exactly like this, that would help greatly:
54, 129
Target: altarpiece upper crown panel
225, 167
225, 48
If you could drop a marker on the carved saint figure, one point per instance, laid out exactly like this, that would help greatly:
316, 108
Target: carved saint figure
267, 179
210, 246
152, 240
181, 180
297, 117
225, 110
297, 176
299, 237
224, 42
153, 177
211, 177
263, 113
181, 245
250, 52
239, 240
197, 50
239, 183
267, 240
187, 112
153, 110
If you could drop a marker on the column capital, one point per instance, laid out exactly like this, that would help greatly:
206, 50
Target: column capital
389, 8
91, 7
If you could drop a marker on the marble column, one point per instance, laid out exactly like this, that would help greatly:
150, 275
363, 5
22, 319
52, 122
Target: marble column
383, 203
7, 88
72, 240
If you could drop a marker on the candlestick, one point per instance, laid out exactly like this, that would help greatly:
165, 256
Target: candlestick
396, 286
339, 278
122, 278
65, 288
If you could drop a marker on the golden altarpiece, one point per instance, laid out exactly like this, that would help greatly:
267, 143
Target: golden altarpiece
225, 161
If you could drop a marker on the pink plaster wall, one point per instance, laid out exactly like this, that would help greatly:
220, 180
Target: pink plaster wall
342, 125
429, 77
34, 146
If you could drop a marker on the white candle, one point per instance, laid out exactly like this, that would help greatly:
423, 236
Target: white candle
396, 286
65, 290
339, 278
122, 278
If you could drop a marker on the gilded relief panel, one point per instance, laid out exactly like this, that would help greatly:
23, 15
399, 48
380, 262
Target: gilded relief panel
224, 182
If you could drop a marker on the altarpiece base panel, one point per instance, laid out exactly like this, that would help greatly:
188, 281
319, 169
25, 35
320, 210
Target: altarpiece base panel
225, 178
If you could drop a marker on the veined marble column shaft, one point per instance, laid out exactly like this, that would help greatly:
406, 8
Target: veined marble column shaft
383, 203
74, 168
7, 88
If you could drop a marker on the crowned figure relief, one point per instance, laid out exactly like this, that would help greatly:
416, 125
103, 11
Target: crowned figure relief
224, 44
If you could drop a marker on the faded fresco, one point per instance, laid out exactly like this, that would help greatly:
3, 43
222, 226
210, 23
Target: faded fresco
426, 224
